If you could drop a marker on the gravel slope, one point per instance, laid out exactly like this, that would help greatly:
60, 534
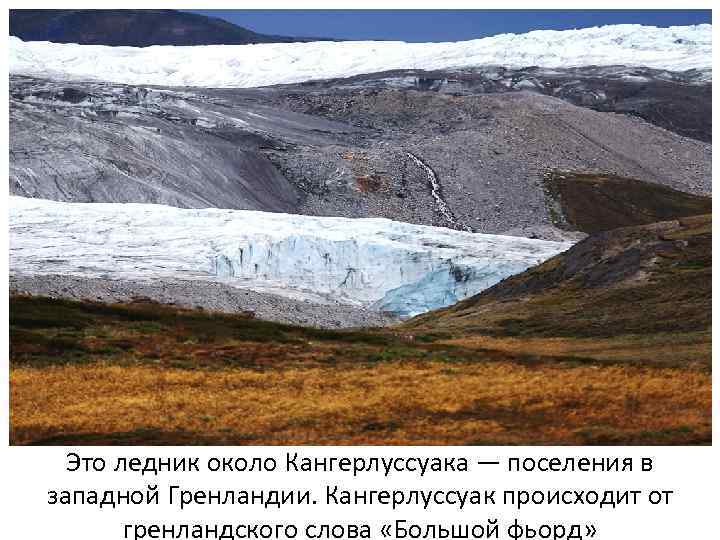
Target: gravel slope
201, 294
469, 162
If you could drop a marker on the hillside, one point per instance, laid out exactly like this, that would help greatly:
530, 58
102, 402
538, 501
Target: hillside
679, 101
599, 202
132, 28
638, 293
607, 343
477, 160
140, 373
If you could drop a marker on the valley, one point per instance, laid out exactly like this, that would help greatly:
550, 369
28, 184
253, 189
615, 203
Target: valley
498, 241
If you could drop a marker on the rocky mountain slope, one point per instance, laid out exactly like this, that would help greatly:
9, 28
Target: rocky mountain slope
132, 28
127, 144
679, 101
470, 162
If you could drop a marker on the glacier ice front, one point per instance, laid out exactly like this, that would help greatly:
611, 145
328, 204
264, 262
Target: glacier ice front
378, 263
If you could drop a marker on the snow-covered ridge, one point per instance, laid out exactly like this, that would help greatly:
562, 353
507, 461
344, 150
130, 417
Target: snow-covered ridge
379, 263
675, 48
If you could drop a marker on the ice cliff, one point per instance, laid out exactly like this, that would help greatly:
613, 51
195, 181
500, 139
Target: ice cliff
378, 263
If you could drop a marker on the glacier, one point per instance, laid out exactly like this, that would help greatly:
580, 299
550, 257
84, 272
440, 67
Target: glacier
676, 48
376, 263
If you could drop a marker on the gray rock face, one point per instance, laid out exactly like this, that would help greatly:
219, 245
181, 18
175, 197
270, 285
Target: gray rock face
338, 148
488, 153
111, 143
678, 101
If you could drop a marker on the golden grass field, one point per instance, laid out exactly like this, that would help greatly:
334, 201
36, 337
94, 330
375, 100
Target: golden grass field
83, 373
403, 402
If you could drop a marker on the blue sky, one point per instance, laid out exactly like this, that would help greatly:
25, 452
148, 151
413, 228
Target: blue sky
440, 25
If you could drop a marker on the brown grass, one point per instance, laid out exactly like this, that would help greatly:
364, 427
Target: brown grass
389, 403
693, 348
646, 288
593, 202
